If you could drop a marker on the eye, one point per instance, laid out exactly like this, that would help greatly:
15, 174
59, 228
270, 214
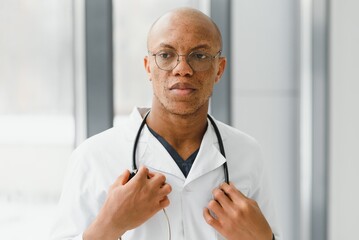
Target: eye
165, 55
199, 56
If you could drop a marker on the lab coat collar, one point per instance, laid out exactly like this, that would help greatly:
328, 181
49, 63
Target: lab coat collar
150, 151
157, 157
152, 154
134, 123
208, 158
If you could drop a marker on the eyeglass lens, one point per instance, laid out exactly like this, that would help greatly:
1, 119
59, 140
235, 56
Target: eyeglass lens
198, 60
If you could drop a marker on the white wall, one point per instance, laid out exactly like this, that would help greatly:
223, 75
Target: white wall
344, 119
265, 94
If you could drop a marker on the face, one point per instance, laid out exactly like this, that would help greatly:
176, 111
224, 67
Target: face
183, 91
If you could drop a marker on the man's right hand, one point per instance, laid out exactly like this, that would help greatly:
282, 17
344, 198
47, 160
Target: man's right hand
129, 204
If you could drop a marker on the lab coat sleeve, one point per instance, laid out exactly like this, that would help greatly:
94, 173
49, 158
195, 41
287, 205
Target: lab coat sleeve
79, 202
262, 194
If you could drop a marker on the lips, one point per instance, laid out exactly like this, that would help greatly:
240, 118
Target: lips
182, 86
182, 89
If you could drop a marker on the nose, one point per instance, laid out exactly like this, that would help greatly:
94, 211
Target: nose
182, 68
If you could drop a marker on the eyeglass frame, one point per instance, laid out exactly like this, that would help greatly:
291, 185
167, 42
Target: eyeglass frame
218, 54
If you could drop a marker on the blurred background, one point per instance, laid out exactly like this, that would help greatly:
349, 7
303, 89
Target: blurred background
72, 68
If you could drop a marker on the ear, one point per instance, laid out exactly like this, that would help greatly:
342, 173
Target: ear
146, 63
221, 66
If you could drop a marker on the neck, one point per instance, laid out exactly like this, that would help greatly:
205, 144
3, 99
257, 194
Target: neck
183, 132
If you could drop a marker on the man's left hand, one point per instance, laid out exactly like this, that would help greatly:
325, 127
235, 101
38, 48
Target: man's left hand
235, 216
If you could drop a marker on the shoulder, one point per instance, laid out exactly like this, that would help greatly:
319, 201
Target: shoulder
111, 148
103, 147
233, 136
101, 141
240, 147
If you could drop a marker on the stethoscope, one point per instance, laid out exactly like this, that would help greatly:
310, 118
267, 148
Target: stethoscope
216, 130
134, 165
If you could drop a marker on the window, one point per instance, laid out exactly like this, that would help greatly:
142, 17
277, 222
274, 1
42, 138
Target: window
36, 112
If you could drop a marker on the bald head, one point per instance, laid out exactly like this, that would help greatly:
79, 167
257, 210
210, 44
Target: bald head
189, 21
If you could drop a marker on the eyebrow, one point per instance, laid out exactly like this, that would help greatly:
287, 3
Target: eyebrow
165, 45
201, 46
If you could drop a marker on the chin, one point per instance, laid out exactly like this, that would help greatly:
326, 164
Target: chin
183, 110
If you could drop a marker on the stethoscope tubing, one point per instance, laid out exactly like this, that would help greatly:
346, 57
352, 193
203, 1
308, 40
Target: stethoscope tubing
221, 148
216, 130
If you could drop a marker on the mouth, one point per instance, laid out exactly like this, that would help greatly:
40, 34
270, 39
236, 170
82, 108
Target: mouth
182, 89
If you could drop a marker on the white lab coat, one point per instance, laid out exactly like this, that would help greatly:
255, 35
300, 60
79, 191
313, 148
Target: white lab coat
97, 162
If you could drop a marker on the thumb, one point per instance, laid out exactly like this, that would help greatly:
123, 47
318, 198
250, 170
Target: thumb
123, 178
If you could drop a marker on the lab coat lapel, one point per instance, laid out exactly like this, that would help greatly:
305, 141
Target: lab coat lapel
133, 123
150, 151
152, 154
208, 158
155, 156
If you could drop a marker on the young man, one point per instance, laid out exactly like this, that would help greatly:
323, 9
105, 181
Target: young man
181, 166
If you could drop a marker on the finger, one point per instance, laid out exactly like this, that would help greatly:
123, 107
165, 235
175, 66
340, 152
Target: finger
122, 179
232, 192
125, 177
221, 197
158, 180
210, 220
165, 190
151, 174
216, 208
165, 202
142, 173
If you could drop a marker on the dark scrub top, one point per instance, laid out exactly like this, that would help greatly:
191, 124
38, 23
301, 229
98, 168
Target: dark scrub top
184, 165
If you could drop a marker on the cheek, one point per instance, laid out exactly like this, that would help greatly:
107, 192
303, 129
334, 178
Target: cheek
158, 82
208, 82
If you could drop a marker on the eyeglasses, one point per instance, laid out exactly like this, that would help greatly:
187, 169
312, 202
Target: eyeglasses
198, 60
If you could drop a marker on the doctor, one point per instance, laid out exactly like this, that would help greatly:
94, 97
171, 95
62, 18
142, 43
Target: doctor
180, 165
